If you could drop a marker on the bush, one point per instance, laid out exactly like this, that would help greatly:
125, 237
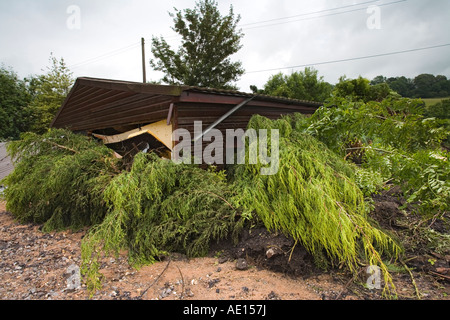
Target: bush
160, 206
64, 180
58, 179
314, 199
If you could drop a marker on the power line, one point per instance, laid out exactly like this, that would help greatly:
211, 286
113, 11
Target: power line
350, 59
307, 14
244, 26
105, 55
321, 16
136, 44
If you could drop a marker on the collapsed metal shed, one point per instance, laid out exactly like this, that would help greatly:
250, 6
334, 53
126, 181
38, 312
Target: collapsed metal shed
116, 111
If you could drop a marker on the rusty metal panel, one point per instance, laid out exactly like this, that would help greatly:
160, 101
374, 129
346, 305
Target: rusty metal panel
95, 104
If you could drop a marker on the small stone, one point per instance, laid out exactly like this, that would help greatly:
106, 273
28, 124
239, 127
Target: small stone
270, 253
241, 264
273, 296
213, 282
165, 293
222, 259
189, 292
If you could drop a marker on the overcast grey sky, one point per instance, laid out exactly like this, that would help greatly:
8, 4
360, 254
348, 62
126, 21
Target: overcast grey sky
105, 41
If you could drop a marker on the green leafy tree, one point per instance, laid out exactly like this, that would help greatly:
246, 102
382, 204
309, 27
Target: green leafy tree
208, 40
56, 179
392, 138
302, 85
49, 91
402, 85
441, 86
430, 86
424, 84
314, 199
360, 90
378, 80
14, 98
440, 110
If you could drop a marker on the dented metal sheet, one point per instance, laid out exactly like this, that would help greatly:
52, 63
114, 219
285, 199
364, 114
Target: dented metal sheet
160, 130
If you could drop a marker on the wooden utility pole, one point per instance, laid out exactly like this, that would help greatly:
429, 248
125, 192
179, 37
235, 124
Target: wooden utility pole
144, 76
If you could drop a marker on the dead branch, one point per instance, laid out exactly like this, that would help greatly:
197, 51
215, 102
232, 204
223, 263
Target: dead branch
182, 283
440, 275
60, 146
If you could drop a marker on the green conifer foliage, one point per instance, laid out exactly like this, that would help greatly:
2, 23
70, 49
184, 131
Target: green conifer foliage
160, 206
64, 180
314, 199
58, 179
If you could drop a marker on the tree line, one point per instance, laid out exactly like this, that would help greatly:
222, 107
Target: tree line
307, 85
423, 86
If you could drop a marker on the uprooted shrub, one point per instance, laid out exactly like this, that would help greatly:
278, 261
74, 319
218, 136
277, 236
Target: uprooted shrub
58, 179
314, 199
160, 206
63, 180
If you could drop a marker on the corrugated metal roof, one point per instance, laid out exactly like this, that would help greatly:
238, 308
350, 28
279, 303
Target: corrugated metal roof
95, 104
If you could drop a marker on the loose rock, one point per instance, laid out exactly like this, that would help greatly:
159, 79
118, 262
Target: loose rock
241, 264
